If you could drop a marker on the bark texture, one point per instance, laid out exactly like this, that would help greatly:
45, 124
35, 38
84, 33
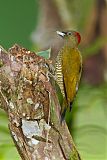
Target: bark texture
28, 97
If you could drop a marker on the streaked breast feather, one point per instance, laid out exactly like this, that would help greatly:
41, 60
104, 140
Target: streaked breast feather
59, 75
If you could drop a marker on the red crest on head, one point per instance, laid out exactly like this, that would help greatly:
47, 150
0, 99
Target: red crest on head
78, 36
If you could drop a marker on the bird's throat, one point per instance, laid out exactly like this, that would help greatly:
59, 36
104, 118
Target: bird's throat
70, 43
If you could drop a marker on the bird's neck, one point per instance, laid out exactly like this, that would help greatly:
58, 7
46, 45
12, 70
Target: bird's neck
69, 44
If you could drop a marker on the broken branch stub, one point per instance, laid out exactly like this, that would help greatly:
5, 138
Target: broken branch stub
29, 99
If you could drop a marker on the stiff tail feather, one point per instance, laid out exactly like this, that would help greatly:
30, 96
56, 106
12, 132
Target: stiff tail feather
63, 110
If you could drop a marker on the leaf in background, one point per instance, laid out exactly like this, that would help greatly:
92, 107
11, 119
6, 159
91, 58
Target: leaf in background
7, 147
45, 54
94, 47
8, 152
88, 125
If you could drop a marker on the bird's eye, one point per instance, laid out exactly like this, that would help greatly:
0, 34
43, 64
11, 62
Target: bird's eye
69, 33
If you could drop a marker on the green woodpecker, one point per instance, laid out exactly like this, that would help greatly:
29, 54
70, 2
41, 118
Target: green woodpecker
68, 68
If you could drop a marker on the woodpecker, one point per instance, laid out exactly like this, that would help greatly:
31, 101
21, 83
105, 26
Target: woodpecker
68, 68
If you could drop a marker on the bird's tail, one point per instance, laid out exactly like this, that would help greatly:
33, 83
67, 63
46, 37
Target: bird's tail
63, 110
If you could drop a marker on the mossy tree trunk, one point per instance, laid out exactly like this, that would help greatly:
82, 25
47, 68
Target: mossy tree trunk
30, 101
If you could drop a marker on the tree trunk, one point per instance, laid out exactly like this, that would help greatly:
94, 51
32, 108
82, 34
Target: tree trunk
30, 101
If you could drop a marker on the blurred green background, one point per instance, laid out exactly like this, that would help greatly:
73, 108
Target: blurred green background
32, 24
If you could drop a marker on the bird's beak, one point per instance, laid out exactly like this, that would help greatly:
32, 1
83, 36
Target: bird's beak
62, 34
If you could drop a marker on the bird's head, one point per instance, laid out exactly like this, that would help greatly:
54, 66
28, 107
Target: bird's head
72, 38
